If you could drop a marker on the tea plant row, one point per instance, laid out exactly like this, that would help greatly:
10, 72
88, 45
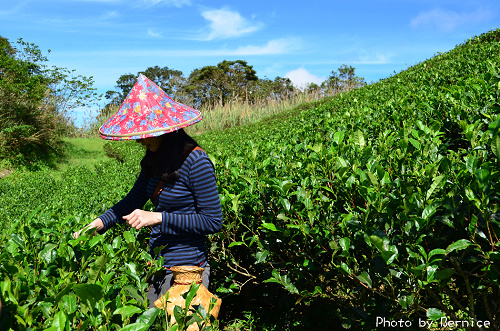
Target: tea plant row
380, 202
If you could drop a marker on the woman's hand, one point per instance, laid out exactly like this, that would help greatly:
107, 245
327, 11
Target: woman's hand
141, 218
96, 224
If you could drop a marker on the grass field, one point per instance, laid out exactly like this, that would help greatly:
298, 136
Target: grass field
80, 152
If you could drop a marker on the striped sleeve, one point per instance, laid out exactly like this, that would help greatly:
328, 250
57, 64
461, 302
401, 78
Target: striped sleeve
207, 217
135, 199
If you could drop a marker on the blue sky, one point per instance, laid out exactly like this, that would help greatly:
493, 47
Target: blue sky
302, 40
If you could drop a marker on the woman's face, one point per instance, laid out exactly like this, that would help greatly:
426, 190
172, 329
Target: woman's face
153, 143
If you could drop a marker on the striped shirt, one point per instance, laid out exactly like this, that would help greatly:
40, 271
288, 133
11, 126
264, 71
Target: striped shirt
190, 210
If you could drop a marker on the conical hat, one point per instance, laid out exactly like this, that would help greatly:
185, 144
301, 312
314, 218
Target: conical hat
148, 111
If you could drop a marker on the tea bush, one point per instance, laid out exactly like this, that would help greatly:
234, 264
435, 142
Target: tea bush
383, 200
377, 203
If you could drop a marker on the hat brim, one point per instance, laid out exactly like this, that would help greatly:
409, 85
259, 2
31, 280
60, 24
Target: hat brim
149, 133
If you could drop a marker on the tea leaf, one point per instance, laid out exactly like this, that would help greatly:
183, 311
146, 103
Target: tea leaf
436, 182
431, 270
127, 311
365, 279
390, 255
269, 226
137, 326
434, 314
437, 251
415, 143
406, 300
338, 137
430, 210
359, 139
345, 243
189, 296
59, 321
18, 240
345, 267
129, 237
261, 256
89, 293
96, 268
49, 253
495, 145
458, 245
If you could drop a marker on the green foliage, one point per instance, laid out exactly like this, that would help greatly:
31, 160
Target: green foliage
186, 316
220, 84
113, 150
48, 280
22, 88
384, 198
228, 82
169, 80
34, 102
383, 201
342, 80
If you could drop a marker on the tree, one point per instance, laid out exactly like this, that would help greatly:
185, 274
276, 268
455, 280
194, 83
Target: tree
206, 86
342, 80
169, 80
35, 101
227, 81
278, 89
124, 85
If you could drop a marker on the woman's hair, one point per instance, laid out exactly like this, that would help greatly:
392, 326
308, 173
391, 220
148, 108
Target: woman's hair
167, 160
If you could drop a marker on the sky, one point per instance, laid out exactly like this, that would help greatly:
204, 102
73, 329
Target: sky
301, 40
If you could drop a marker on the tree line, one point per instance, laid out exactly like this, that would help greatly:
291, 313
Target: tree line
230, 81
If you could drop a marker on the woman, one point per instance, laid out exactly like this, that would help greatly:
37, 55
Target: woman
176, 175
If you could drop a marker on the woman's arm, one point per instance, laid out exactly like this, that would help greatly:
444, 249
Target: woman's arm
135, 199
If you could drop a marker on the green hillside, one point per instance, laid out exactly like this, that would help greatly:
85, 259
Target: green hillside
383, 200
375, 206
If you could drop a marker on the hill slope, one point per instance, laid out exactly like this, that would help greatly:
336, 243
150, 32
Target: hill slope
379, 202
383, 198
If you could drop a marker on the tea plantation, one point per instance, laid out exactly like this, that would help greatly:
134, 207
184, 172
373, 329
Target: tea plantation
374, 208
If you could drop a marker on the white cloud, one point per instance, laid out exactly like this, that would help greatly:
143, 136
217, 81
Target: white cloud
276, 46
153, 34
447, 20
225, 23
300, 78
88, 21
175, 3
148, 3
109, 15
376, 58
273, 47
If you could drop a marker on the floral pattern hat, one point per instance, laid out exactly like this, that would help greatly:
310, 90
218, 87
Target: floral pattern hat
148, 111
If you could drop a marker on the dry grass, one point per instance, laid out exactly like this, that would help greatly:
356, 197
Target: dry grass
240, 113
233, 113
